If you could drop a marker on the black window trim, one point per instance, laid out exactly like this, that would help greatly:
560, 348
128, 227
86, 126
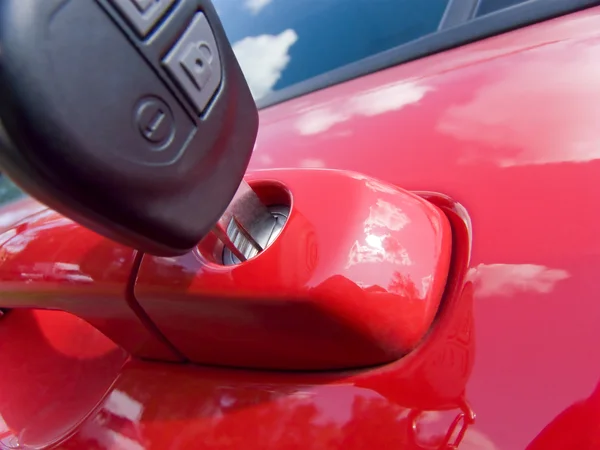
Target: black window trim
508, 19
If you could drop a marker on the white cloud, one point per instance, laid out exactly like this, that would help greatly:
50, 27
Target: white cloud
371, 102
263, 59
508, 279
256, 6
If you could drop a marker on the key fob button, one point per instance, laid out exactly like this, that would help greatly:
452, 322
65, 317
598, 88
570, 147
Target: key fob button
155, 121
143, 15
195, 64
112, 100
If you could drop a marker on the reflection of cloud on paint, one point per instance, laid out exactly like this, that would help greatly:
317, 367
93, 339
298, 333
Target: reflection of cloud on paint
391, 97
256, 6
101, 428
378, 249
227, 400
539, 128
7, 439
508, 279
264, 159
13, 242
122, 405
11, 217
312, 163
96, 431
385, 215
7, 235
318, 120
426, 284
17, 244
427, 417
69, 272
371, 102
380, 245
375, 185
263, 59
476, 440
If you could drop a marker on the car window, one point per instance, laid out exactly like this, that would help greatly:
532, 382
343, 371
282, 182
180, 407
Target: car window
283, 42
289, 48
8, 190
490, 6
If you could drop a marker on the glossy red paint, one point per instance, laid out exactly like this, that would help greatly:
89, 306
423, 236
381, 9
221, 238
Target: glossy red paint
508, 127
55, 371
347, 284
575, 427
47, 261
416, 402
18, 210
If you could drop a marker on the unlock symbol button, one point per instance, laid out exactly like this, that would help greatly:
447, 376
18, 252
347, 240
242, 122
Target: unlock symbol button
195, 64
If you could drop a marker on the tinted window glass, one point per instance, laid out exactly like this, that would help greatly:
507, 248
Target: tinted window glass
283, 42
8, 190
490, 6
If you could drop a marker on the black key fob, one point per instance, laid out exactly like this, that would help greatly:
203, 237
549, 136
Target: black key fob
131, 117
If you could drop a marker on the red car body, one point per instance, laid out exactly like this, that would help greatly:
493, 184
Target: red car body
507, 127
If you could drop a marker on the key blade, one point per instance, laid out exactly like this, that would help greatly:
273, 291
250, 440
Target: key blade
247, 225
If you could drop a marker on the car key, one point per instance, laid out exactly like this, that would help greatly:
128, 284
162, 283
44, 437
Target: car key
131, 117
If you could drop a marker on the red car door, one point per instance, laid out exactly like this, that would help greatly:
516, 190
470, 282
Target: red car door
492, 105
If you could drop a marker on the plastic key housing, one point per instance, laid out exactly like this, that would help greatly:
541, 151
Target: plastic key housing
98, 121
